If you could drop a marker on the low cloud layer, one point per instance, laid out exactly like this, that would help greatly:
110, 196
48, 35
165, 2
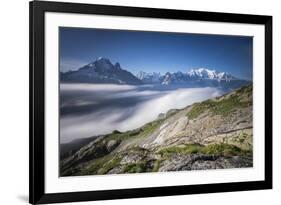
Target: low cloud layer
90, 110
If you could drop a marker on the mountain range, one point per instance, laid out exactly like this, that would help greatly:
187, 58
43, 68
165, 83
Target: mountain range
199, 74
103, 71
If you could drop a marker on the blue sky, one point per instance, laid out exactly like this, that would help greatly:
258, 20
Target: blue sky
156, 51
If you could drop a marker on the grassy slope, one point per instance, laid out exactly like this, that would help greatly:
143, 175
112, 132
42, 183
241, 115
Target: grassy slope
223, 106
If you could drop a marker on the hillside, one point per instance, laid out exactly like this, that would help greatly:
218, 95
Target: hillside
213, 134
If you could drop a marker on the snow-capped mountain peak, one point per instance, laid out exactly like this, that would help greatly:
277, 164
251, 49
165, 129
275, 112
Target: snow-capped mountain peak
193, 75
149, 77
204, 73
100, 58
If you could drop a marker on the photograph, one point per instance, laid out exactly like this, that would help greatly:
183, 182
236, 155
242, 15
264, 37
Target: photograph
139, 101
145, 101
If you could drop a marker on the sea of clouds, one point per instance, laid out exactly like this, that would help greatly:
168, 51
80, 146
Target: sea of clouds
90, 110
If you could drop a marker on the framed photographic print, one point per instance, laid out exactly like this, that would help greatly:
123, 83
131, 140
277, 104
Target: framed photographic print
140, 102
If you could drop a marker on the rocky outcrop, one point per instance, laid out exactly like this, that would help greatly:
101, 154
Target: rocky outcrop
203, 162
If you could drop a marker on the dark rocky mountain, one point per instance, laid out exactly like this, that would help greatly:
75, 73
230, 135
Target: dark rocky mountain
213, 134
100, 71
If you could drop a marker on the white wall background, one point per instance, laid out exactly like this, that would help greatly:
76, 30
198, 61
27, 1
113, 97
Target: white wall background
14, 100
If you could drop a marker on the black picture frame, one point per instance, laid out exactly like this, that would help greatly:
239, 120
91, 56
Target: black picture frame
37, 194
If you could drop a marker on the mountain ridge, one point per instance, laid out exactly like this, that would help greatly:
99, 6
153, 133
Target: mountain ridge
103, 71
100, 71
198, 74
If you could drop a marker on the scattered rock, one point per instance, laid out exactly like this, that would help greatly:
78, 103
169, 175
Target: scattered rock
112, 144
204, 162
132, 158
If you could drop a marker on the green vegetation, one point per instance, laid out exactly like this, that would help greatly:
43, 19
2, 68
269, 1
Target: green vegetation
118, 136
135, 149
101, 165
116, 132
141, 132
134, 132
150, 127
109, 165
156, 165
222, 149
245, 89
135, 168
102, 160
223, 106
243, 140
172, 112
197, 109
187, 149
211, 149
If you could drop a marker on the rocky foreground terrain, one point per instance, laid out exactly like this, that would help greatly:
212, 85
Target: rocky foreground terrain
213, 134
